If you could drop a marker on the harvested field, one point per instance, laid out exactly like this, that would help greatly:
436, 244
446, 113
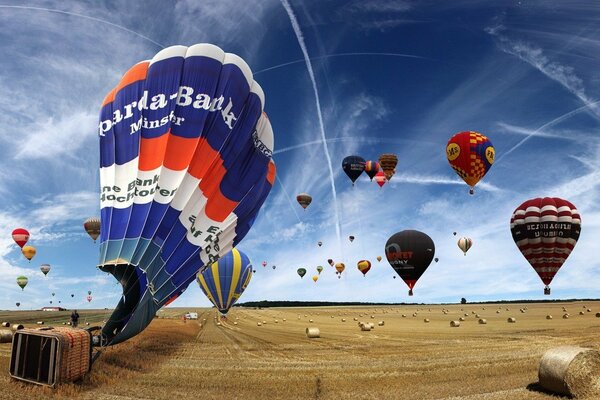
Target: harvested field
403, 359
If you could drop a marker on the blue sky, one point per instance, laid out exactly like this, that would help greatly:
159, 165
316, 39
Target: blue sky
396, 76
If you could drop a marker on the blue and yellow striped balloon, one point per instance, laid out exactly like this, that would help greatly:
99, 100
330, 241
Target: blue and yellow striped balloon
225, 280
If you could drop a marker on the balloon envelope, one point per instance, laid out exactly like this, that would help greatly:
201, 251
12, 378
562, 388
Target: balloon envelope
353, 166
319, 269
388, 162
304, 199
409, 253
22, 281
380, 178
92, 227
464, 243
301, 272
45, 268
20, 236
351, 238
546, 230
471, 155
225, 280
315, 278
28, 252
88, 298
378, 258
364, 266
339, 267
371, 168
185, 166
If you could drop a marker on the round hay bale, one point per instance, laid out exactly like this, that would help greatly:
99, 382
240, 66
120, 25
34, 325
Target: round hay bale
466, 314
572, 371
426, 320
360, 315
548, 316
313, 332
356, 319
454, 324
235, 322
258, 324
372, 325
497, 311
403, 315
40, 322
264, 322
477, 316
372, 317
276, 321
511, 320
305, 315
581, 313
461, 319
589, 310
482, 321
17, 327
565, 316
415, 314
365, 327
64, 323
522, 311
6, 336
343, 319
284, 320
87, 324
311, 321
598, 315
381, 323
218, 324
333, 316
483, 308
6, 324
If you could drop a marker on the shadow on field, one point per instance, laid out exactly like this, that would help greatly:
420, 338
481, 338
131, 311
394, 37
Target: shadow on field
120, 363
536, 387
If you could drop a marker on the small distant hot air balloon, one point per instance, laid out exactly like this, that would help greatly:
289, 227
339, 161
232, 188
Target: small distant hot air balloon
53, 294
50, 301
88, 298
264, 263
364, 266
315, 278
274, 267
28, 252
320, 243
380, 178
253, 271
59, 302
353, 166
319, 269
339, 267
351, 238
388, 164
20, 236
45, 268
22, 282
301, 272
471, 155
371, 168
454, 233
89, 292
304, 199
436, 259
464, 243
18, 304
330, 261
72, 295
378, 258
92, 227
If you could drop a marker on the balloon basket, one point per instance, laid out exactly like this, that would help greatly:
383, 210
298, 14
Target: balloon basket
51, 356
410, 292
547, 291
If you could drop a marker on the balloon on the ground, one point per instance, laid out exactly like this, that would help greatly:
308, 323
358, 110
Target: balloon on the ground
29, 252
45, 268
304, 199
388, 162
301, 272
185, 166
471, 155
410, 252
364, 266
546, 230
371, 168
92, 227
20, 236
226, 279
353, 166
22, 281
380, 178
464, 243
319, 269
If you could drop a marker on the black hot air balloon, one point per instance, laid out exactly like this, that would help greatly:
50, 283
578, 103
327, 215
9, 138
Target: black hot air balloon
353, 166
410, 252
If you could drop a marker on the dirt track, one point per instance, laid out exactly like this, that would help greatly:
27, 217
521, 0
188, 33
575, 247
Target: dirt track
404, 359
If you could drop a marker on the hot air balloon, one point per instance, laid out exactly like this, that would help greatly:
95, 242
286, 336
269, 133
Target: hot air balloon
351, 238
274, 267
315, 278
264, 263
253, 271
45, 268
471, 155
92, 227
546, 230
50, 301
364, 266
319, 269
454, 233
301, 272
53, 294
28, 252
22, 282
89, 292
380, 178
353, 166
18, 304
378, 258
464, 243
72, 295
339, 267
304, 199
319, 243
88, 298
330, 261
436, 259
226, 279
388, 164
185, 166
371, 168
409, 253
20, 236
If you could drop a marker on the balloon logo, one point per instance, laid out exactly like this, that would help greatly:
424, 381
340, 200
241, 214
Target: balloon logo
409, 253
388, 163
185, 166
225, 280
371, 168
353, 166
364, 266
465, 243
380, 178
471, 155
92, 227
546, 230
20, 236
304, 199
301, 272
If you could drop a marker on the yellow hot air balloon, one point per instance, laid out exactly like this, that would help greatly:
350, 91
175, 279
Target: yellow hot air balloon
28, 252
339, 267
364, 266
315, 278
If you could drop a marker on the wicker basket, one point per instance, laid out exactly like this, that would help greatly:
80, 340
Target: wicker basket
49, 356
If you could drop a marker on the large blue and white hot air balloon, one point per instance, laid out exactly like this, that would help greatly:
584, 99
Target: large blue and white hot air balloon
185, 165
225, 280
